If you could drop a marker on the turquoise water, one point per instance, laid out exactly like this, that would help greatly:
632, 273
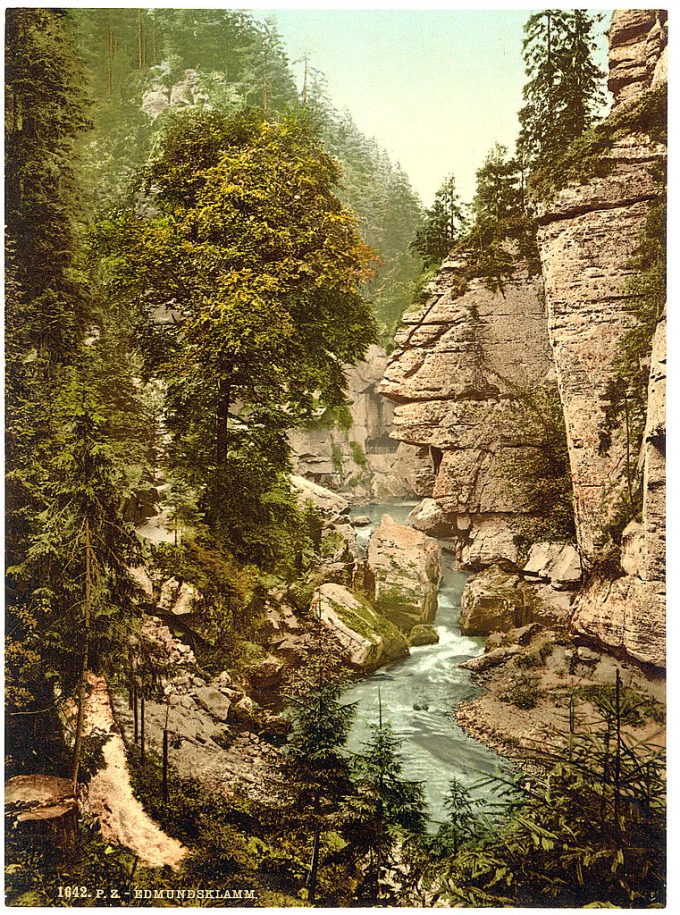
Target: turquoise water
434, 748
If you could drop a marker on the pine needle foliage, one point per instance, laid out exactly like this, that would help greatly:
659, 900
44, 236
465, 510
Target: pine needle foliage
585, 829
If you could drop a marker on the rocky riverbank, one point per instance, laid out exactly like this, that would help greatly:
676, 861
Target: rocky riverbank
531, 677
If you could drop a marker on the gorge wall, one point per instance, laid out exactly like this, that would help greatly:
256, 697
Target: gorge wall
587, 238
358, 454
465, 361
459, 376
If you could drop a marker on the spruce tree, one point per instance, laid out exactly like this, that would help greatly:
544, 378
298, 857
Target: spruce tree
563, 89
384, 809
45, 113
443, 225
315, 765
81, 546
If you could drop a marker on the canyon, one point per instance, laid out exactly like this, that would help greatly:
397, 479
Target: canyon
467, 363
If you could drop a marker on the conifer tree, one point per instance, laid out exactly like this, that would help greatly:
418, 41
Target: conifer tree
44, 115
563, 89
497, 197
315, 764
384, 807
443, 225
462, 820
81, 547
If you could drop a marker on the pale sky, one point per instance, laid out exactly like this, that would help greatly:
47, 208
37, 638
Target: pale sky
436, 88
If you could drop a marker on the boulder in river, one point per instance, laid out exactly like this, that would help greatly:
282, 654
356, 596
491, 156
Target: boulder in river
329, 503
429, 518
423, 634
405, 565
370, 640
493, 602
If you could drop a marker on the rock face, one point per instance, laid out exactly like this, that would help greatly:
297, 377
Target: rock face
329, 503
556, 563
363, 458
496, 600
492, 602
369, 639
638, 52
178, 599
457, 375
163, 93
629, 612
405, 567
587, 291
586, 279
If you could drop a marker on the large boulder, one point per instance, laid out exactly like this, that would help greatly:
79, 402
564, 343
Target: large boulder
496, 600
428, 517
557, 563
423, 634
178, 599
370, 640
214, 702
265, 673
493, 601
328, 503
405, 566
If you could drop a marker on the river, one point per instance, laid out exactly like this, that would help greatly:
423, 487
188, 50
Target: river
434, 748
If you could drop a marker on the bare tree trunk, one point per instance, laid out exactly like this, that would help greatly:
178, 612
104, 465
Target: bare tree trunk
80, 722
166, 753
135, 712
140, 35
223, 404
109, 57
314, 868
617, 760
142, 735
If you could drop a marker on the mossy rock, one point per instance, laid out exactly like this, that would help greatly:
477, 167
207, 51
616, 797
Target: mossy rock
423, 634
370, 640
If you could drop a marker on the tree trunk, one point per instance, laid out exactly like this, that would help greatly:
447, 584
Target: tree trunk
223, 404
109, 57
135, 713
142, 735
165, 754
80, 721
140, 35
314, 868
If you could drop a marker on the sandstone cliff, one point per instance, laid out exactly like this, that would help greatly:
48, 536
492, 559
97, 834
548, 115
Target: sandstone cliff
462, 366
359, 455
464, 362
589, 233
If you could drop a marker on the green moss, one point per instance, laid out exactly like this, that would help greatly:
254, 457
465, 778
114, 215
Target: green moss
369, 624
358, 454
338, 458
330, 544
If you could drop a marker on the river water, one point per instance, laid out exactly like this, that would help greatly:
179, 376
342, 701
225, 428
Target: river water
434, 749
